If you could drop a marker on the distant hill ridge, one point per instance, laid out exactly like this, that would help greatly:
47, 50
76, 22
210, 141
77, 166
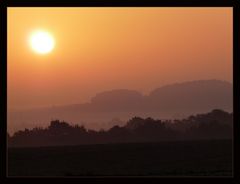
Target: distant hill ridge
197, 95
180, 98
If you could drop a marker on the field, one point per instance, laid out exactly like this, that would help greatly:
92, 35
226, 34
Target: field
189, 158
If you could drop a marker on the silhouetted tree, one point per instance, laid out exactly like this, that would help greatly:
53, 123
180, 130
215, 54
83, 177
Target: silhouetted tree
214, 125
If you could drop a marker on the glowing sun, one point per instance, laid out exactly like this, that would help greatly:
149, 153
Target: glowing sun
42, 42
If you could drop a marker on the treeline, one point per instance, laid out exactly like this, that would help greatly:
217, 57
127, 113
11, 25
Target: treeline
217, 124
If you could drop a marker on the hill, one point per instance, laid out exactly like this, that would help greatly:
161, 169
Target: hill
172, 101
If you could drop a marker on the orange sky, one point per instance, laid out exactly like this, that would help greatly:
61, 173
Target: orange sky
100, 49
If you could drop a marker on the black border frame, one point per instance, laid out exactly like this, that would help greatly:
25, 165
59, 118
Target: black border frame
117, 3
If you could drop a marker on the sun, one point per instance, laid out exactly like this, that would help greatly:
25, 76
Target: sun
42, 42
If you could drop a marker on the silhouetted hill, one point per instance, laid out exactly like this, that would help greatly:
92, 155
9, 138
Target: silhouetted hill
214, 125
197, 95
117, 100
180, 99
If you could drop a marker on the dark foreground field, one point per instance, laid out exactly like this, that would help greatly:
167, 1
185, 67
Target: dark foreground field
192, 158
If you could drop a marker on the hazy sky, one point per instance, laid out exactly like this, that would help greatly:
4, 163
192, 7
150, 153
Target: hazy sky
100, 49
